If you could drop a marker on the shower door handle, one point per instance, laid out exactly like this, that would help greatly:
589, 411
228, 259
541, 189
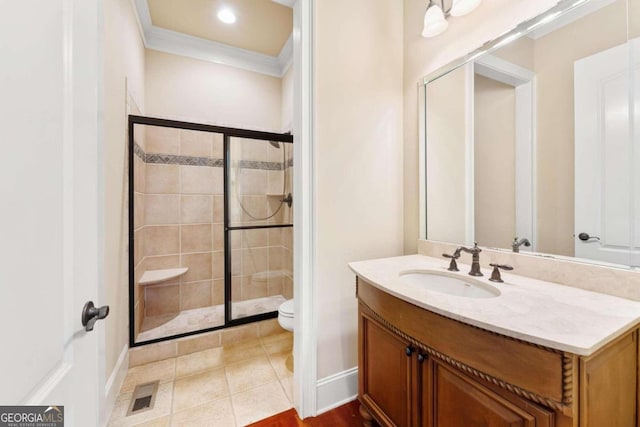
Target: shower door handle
91, 314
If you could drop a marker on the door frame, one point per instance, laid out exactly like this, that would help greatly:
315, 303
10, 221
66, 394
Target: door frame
304, 232
524, 83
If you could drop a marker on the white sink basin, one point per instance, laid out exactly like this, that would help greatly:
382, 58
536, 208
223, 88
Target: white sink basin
449, 283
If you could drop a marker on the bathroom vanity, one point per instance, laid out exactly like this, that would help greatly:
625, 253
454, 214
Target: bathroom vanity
532, 354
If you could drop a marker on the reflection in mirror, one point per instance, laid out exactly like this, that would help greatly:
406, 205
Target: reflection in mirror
535, 140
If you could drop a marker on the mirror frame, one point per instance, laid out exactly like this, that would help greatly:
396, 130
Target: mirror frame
561, 8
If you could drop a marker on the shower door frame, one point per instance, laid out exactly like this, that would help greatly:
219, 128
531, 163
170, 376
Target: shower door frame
227, 133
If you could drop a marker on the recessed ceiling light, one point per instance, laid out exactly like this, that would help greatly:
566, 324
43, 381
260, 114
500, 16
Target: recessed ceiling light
227, 16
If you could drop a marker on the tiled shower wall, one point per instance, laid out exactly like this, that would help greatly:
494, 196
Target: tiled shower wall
182, 205
178, 195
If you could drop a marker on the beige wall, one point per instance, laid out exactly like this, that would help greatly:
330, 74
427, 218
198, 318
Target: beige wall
446, 168
519, 52
634, 19
358, 159
494, 157
423, 56
124, 69
287, 101
199, 91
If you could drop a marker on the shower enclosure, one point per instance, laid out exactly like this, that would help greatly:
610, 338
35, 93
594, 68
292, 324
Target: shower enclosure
210, 220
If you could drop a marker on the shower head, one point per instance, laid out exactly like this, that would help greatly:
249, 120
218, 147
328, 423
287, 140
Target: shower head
275, 144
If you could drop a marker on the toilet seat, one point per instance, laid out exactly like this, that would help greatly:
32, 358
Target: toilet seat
286, 309
285, 315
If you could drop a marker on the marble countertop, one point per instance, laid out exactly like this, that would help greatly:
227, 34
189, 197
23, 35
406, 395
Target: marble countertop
544, 313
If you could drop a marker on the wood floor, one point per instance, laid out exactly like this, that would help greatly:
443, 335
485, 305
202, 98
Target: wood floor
343, 416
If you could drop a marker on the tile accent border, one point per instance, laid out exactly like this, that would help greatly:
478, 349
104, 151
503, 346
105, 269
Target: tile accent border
173, 159
138, 151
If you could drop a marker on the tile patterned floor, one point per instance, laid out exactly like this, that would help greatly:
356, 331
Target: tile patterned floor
202, 318
229, 386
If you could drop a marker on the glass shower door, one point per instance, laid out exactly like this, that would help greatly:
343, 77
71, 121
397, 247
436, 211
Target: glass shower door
259, 229
210, 227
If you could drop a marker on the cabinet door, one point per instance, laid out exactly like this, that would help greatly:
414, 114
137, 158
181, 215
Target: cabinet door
459, 401
385, 373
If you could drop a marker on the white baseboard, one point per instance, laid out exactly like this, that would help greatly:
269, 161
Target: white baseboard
115, 381
336, 390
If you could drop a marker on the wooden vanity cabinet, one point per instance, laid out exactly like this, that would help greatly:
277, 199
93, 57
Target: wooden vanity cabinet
387, 359
409, 375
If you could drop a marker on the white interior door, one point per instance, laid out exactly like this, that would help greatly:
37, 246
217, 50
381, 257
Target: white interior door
49, 204
606, 195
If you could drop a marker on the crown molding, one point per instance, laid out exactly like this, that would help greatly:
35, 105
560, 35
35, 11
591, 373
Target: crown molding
285, 57
138, 15
288, 3
176, 43
193, 47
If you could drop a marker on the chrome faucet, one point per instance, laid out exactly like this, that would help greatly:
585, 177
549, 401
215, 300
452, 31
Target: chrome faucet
517, 243
475, 258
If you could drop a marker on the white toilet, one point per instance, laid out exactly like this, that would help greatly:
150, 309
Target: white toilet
285, 318
285, 315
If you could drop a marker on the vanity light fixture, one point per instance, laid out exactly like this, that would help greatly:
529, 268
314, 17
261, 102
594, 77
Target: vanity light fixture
462, 7
435, 18
435, 22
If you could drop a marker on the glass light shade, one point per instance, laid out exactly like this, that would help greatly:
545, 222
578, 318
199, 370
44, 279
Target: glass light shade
462, 7
434, 21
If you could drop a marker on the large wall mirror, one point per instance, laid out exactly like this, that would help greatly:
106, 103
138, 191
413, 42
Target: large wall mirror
537, 135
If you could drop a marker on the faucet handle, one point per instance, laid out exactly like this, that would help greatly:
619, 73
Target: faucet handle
453, 266
495, 274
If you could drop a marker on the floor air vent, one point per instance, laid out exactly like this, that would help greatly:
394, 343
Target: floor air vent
144, 397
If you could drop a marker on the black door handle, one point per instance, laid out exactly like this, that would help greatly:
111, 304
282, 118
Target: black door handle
586, 238
91, 314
